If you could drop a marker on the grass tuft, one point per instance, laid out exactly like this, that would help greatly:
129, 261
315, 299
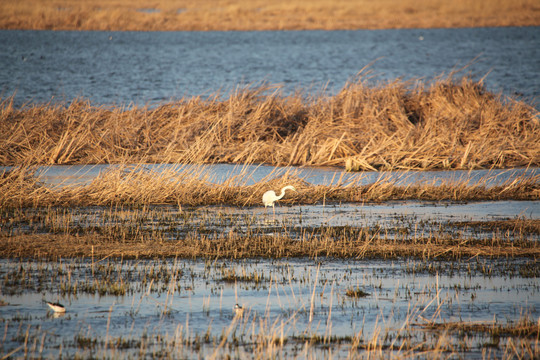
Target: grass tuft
356, 293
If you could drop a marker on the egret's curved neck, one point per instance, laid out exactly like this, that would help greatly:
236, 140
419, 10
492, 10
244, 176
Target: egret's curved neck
282, 193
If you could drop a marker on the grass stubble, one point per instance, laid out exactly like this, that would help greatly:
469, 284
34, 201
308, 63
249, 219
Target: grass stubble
133, 213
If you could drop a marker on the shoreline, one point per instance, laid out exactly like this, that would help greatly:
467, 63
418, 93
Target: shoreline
269, 30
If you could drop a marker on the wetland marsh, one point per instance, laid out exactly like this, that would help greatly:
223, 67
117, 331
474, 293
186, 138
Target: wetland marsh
476, 307
149, 260
134, 163
323, 277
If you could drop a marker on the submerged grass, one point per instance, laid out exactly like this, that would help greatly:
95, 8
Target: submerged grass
529, 226
356, 293
449, 123
137, 213
524, 327
369, 244
421, 320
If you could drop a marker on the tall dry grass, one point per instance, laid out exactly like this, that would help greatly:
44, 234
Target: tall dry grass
169, 15
137, 186
445, 124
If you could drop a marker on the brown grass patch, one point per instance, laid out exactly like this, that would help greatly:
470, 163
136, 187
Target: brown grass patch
524, 328
138, 187
235, 246
446, 124
524, 226
168, 15
356, 293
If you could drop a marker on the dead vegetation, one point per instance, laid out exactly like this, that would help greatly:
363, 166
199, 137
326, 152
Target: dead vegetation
168, 15
237, 246
524, 327
529, 226
136, 186
136, 213
445, 124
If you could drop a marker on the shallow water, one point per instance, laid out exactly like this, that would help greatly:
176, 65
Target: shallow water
191, 299
63, 175
133, 308
153, 67
405, 220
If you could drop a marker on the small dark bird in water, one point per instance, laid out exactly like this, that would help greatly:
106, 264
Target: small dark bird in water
238, 310
56, 307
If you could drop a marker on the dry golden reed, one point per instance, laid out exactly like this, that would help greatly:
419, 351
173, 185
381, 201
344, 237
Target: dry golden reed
448, 123
169, 15
136, 186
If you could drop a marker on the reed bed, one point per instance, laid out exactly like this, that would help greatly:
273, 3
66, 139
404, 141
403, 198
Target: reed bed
449, 123
139, 213
136, 186
134, 212
168, 15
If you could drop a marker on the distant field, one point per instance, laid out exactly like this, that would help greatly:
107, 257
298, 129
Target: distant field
170, 15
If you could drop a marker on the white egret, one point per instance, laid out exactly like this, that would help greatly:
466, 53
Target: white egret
270, 197
56, 307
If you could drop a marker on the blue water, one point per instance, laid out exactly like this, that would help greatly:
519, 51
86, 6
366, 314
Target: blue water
198, 302
66, 175
154, 67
